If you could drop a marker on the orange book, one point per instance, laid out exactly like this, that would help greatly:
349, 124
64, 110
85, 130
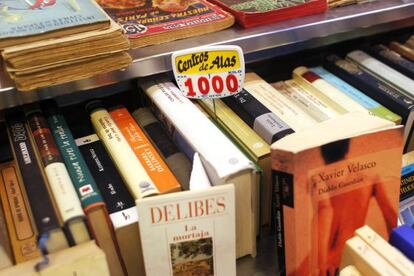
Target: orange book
145, 151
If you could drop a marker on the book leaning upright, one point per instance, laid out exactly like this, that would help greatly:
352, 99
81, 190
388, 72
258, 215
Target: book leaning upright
224, 163
352, 160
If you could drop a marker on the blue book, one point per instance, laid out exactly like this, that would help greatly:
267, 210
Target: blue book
403, 239
406, 212
357, 95
20, 19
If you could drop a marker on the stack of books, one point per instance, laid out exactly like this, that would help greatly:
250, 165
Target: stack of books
367, 253
59, 42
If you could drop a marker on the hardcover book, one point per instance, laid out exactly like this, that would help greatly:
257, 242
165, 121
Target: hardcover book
189, 233
353, 160
27, 21
406, 50
153, 22
259, 12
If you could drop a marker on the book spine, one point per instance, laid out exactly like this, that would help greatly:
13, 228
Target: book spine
358, 96
58, 177
36, 187
82, 179
264, 122
277, 223
384, 249
382, 72
404, 50
131, 170
145, 152
368, 262
6, 255
110, 183
407, 182
21, 233
393, 59
284, 108
179, 164
386, 95
374, 88
317, 109
327, 89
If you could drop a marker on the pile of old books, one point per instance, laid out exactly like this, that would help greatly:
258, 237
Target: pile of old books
52, 42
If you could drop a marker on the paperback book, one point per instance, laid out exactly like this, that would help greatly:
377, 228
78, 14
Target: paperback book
191, 232
353, 160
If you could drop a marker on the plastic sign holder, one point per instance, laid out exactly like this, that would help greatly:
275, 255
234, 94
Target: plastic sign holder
209, 72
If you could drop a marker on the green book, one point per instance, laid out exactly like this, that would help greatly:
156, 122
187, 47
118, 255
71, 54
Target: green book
82, 179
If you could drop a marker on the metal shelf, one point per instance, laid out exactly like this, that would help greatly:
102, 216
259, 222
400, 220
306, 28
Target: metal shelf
257, 43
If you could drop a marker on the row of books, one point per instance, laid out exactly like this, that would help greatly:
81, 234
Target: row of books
367, 253
295, 115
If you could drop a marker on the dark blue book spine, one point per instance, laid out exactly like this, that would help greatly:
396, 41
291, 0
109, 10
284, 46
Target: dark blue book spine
393, 59
379, 91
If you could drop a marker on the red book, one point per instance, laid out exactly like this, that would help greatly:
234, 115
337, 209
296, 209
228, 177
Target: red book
250, 13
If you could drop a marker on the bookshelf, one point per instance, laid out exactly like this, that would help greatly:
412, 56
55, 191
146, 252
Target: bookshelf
259, 43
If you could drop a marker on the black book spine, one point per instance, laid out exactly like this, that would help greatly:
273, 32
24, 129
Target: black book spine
107, 178
39, 199
379, 91
393, 60
282, 194
264, 122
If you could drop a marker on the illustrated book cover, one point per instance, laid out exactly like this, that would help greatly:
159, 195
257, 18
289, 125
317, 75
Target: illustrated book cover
189, 233
153, 22
322, 176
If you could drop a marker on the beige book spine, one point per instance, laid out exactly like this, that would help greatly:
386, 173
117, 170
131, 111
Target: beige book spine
317, 109
350, 270
365, 259
131, 170
387, 251
309, 79
273, 99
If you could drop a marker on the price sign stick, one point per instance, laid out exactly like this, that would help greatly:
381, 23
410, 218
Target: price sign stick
209, 72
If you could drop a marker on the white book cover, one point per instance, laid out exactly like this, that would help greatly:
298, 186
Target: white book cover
383, 71
189, 233
220, 157
199, 179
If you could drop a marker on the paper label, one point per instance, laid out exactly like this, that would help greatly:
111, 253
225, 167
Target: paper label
209, 72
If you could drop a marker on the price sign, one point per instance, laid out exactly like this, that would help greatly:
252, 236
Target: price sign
209, 72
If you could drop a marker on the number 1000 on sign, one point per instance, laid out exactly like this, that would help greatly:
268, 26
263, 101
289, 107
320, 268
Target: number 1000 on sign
202, 86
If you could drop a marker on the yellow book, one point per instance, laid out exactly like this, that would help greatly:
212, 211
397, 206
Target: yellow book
256, 148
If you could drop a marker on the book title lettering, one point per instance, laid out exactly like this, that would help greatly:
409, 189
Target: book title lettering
187, 210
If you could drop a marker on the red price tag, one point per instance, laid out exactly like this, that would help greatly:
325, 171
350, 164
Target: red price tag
209, 72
